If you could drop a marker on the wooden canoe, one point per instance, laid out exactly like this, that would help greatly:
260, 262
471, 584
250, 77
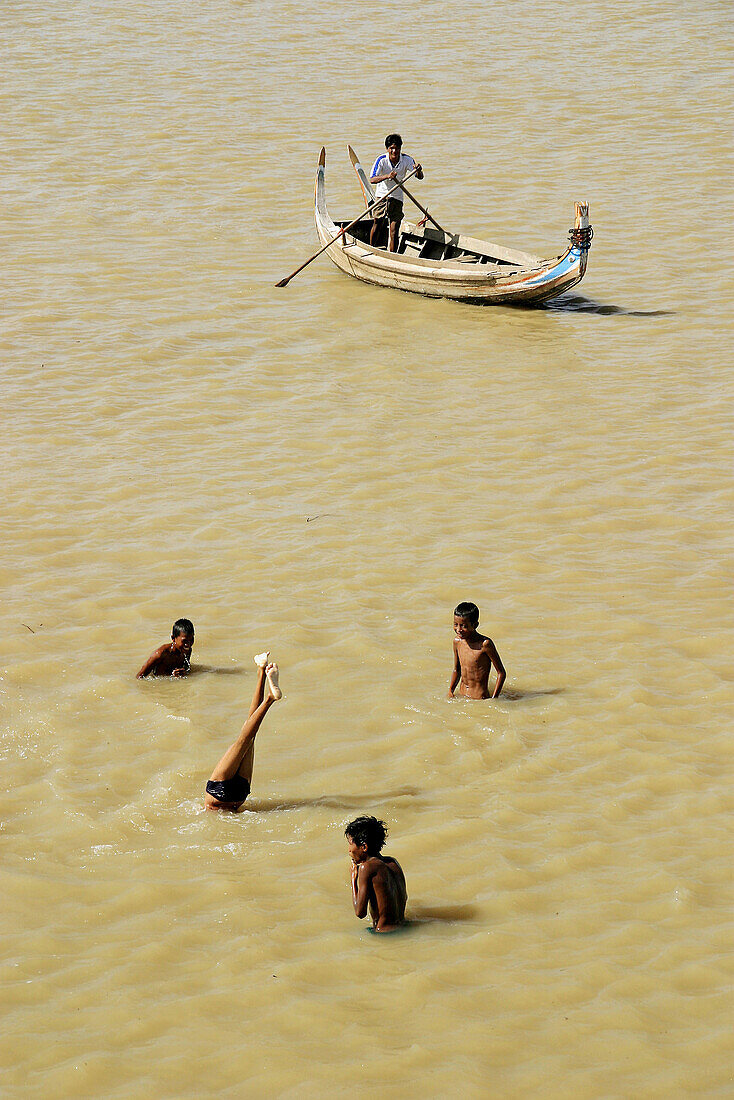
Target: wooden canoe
449, 265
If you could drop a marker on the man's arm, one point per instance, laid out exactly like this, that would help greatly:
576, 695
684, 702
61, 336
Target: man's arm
393, 175
418, 169
375, 177
152, 661
455, 673
388, 176
491, 650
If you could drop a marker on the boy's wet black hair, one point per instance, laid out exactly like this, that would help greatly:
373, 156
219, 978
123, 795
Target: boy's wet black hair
369, 831
393, 139
182, 626
468, 611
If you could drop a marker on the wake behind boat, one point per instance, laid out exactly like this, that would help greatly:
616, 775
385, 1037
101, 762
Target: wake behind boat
434, 262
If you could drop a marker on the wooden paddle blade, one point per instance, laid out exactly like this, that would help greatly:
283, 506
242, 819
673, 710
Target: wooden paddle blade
367, 191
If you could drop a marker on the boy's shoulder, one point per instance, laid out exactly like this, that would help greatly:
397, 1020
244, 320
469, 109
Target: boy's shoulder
393, 868
158, 662
374, 864
391, 861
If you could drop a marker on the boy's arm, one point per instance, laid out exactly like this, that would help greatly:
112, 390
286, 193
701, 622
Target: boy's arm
490, 648
361, 888
455, 673
152, 661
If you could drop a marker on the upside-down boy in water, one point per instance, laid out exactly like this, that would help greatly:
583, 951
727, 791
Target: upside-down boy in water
378, 882
172, 658
229, 784
474, 657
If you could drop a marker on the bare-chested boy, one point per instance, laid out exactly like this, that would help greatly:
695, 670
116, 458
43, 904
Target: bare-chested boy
474, 657
378, 882
173, 658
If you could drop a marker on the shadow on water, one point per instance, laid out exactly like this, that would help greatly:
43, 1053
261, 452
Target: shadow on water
348, 802
576, 303
430, 914
515, 694
231, 670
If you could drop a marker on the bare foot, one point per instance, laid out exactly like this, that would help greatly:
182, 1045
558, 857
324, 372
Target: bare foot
272, 674
261, 659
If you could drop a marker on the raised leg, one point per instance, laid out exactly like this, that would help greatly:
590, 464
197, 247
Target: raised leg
261, 661
230, 763
272, 675
248, 763
239, 757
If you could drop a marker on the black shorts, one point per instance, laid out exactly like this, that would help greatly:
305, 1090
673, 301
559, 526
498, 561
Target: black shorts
392, 209
229, 790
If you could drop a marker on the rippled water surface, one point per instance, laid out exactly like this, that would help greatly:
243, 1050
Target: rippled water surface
325, 471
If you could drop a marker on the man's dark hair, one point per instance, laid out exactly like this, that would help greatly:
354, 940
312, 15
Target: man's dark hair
468, 611
369, 831
394, 139
182, 626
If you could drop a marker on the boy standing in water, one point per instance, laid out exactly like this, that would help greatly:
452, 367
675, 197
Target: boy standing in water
378, 882
174, 657
474, 657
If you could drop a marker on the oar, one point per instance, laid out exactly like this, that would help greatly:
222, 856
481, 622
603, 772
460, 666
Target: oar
415, 200
284, 282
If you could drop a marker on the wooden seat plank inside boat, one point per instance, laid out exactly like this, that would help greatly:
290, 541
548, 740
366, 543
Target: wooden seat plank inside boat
416, 246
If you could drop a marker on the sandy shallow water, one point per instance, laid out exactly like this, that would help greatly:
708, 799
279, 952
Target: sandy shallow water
325, 471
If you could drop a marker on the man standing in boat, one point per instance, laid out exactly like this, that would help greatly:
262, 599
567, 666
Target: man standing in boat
391, 168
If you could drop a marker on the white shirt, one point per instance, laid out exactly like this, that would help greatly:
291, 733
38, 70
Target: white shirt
382, 167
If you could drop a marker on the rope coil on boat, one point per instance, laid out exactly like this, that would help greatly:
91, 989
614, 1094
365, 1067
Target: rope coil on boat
581, 238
